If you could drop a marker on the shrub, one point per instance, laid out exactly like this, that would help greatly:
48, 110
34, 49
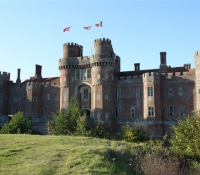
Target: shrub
82, 126
135, 133
186, 138
66, 121
17, 125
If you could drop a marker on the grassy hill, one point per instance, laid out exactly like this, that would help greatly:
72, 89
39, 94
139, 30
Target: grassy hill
34, 154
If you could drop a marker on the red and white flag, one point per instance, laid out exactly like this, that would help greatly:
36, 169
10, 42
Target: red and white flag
66, 29
87, 28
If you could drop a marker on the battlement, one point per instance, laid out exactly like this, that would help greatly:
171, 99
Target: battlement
102, 40
4, 75
151, 74
72, 44
197, 53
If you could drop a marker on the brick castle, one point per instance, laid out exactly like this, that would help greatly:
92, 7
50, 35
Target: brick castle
155, 98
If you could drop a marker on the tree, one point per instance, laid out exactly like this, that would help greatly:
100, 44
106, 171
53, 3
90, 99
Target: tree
17, 125
135, 133
186, 138
65, 121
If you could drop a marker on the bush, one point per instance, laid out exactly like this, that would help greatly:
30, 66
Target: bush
17, 125
83, 126
135, 133
186, 138
65, 122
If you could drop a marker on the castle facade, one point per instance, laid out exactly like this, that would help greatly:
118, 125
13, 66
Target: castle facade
156, 98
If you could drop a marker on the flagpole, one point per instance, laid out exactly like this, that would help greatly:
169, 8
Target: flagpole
91, 40
70, 37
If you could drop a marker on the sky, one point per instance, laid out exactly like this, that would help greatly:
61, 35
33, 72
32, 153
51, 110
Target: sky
31, 32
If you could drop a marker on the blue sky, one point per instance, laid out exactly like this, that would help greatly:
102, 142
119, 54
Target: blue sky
31, 32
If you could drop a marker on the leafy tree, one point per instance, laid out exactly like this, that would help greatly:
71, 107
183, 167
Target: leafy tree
65, 121
17, 125
135, 133
186, 138
83, 126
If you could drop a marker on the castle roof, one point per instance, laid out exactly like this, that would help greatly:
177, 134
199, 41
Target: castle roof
50, 79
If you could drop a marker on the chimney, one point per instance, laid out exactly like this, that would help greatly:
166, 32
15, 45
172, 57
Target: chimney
18, 81
38, 71
137, 66
163, 57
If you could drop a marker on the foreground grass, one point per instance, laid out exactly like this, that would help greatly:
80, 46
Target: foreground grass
34, 154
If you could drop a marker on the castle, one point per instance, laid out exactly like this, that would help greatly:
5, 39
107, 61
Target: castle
156, 98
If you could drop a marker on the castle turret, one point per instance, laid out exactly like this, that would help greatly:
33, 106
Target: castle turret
67, 71
103, 63
197, 83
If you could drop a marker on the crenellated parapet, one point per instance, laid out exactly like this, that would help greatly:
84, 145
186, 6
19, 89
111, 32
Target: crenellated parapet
129, 79
4, 76
151, 77
32, 85
74, 63
103, 60
178, 76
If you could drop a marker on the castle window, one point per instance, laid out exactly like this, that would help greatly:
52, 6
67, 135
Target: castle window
57, 97
88, 73
151, 111
106, 97
98, 76
164, 110
106, 116
116, 93
41, 112
34, 99
77, 74
83, 75
98, 96
170, 92
116, 111
150, 91
180, 91
48, 97
132, 111
137, 92
86, 94
64, 79
106, 75
98, 116
171, 111
181, 110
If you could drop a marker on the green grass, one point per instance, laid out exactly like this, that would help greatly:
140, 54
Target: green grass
49, 155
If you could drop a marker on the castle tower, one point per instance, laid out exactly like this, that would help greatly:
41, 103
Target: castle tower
103, 63
67, 71
197, 83
4, 91
34, 93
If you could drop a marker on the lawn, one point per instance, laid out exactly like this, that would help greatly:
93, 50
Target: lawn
35, 154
